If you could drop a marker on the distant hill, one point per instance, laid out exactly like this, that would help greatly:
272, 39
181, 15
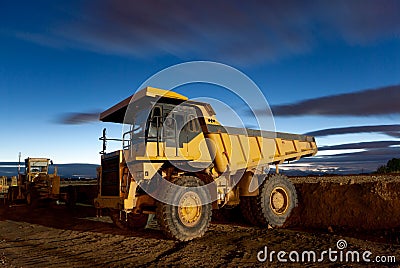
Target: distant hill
89, 170
64, 170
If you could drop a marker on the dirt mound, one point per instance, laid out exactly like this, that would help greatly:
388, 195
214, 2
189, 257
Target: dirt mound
359, 202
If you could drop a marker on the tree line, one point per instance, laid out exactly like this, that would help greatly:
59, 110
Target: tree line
392, 165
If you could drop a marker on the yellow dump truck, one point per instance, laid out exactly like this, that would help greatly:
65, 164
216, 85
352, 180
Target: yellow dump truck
179, 163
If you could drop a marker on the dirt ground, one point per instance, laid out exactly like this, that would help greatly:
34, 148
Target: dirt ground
362, 210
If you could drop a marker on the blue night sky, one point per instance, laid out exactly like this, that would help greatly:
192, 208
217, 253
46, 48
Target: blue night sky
58, 58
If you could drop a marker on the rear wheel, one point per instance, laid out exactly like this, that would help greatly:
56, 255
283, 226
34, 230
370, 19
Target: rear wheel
189, 214
276, 200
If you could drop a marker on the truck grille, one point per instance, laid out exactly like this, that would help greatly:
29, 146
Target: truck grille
110, 176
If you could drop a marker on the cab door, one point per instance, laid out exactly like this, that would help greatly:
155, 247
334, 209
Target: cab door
154, 132
175, 132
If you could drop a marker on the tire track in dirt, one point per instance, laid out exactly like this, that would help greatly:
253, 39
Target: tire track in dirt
178, 246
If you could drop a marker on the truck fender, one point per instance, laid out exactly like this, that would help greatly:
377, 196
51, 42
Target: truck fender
247, 183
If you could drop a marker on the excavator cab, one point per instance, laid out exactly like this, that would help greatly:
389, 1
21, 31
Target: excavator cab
36, 166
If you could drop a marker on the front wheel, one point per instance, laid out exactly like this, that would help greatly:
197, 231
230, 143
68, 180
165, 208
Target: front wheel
32, 198
137, 221
72, 197
119, 218
188, 214
129, 221
11, 196
276, 200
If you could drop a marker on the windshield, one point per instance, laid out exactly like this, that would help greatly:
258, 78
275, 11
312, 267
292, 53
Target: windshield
139, 126
38, 167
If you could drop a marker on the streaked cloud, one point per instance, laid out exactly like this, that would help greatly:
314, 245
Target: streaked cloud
229, 31
360, 145
379, 101
78, 118
390, 130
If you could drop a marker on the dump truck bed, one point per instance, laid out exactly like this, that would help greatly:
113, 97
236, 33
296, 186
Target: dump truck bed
237, 148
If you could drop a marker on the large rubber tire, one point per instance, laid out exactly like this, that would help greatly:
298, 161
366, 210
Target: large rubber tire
32, 198
171, 218
134, 222
72, 196
13, 193
137, 221
276, 200
118, 218
10, 196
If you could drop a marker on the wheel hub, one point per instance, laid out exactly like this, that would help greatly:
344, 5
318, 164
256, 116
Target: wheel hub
279, 200
189, 209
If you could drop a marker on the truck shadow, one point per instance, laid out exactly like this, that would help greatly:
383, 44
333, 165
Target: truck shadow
83, 219
80, 219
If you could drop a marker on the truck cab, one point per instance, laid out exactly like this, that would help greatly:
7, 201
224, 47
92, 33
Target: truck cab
34, 167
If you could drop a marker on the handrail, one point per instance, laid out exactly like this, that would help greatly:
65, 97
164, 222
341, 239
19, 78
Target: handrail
128, 146
105, 139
